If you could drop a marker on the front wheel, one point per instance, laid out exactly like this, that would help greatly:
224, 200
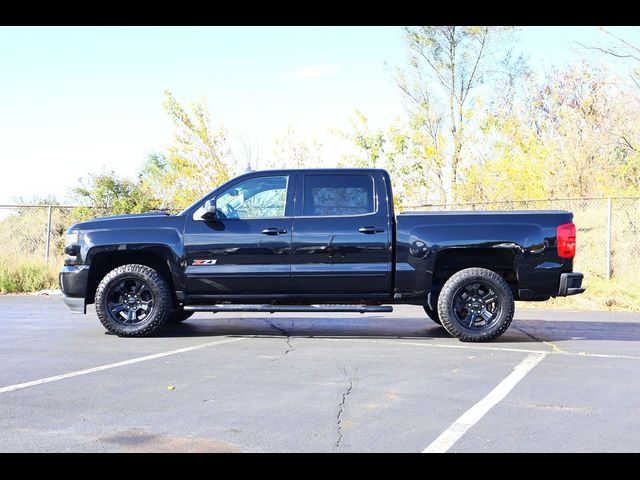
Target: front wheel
476, 305
133, 300
432, 314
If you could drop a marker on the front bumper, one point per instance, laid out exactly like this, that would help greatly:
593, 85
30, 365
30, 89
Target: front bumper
570, 284
73, 283
75, 304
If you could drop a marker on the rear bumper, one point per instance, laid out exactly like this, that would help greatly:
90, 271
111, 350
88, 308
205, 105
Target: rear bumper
570, 284
73, 283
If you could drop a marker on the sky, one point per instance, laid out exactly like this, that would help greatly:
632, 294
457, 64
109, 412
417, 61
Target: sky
76, 100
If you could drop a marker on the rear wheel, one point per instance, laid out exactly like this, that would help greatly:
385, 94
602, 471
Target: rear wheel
133, 300
476, 305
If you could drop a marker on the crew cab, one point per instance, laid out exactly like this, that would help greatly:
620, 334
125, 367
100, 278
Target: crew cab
317, 240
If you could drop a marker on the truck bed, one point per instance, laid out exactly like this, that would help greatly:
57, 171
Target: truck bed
522, 240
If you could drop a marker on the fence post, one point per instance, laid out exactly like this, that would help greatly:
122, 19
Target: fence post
46, 252
609, 238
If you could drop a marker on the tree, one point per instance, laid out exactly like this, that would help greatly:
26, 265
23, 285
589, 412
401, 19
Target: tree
367, 144
427, 145
573, 134
198, 160
575, 112
618, 47
44, 200
249, 157
516, 167
400, 150
446, 63
108, 194
290, 151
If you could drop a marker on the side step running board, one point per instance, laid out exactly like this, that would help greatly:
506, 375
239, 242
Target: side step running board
289, 308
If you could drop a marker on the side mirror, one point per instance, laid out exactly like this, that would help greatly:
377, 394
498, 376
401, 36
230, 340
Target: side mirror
209, 209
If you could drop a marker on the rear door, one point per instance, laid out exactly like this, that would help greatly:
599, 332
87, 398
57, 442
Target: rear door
341, 235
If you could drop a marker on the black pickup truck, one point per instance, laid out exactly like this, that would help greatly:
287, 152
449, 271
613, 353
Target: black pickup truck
323, 240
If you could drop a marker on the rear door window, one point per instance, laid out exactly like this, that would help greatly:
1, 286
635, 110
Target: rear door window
338, 195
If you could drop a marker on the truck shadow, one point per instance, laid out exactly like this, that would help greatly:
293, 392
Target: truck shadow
379, 326
558, 330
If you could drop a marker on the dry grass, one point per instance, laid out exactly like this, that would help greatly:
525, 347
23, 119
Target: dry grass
618, 294
28, 275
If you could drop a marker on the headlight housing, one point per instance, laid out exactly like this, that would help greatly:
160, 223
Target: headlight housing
72, 238
71, 247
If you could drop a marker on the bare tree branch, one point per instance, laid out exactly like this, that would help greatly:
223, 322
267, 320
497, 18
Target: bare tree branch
608, 51
624, 139
435, 70
475, 66
622, 40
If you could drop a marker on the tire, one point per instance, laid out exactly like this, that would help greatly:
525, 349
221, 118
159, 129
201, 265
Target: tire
476, 305
178, 315
432, 314
136, 288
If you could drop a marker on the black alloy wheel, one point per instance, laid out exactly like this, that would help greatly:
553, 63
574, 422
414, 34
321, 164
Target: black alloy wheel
476, 305
130, 301
133, 300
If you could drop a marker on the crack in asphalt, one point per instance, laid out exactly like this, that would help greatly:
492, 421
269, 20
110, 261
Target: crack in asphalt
341, 406
531, 336
284, 333
552, 345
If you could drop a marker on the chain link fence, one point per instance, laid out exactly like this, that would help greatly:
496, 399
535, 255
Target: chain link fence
607, 234
36, 233
608, 230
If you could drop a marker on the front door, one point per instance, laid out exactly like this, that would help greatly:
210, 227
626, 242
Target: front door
246, 249
341, 236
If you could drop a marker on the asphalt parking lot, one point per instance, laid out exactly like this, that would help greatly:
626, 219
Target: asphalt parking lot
556, 381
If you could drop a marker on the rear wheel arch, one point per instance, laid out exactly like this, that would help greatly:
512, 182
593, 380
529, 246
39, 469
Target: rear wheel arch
449, 261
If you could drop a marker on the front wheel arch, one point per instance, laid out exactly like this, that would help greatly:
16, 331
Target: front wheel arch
102, 262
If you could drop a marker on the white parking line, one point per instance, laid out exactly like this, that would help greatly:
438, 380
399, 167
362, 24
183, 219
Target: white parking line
77, 373
472, 416
455, 346
478, 347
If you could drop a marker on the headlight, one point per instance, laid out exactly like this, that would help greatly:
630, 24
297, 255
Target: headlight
71, 247
72, 238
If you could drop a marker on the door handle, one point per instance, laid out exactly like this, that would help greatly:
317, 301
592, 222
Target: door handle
370, 230
274, 231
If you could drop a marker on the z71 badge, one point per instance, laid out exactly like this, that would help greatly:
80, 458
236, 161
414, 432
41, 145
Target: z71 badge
204, 262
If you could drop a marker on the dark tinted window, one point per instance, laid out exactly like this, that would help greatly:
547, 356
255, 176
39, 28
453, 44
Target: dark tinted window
326, 195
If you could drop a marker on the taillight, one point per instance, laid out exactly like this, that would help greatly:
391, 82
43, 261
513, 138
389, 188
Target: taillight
566, 240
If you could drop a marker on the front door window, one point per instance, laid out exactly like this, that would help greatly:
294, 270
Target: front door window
262, 197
